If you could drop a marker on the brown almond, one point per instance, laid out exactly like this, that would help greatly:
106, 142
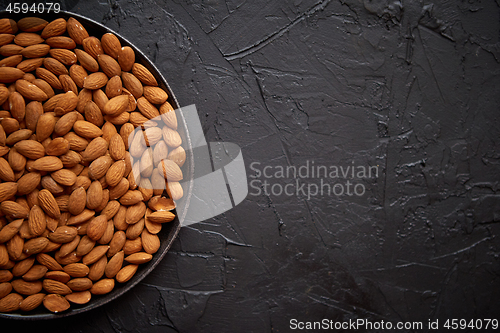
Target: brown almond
28, 183
170, 170
56, 303
76, 143
76, 30
45, 126
54, 28
114, 87
11, 302
93, 114
35, 273
111, 45
55, 66
114, 265
77, 270
6, 172
9, 74
68, 84
48, 163
100, 166
115, 173
85, 246
95, 149
31, 302
174, 190
109, 65
144, 75
94, 195
35, 51
61, 42
103, 286
49, 77
126, 273
132, 84
31, 24
37, 221
30, 91
8, 231
97, 227
168, 115
48, 261
57, 147
116, 105
171, 137
10, 50
78, 74
79, 284
45, 87
95, 254
65, 56
87, 129
26, 287
14, 210
55, 287
28, 38
49, 204
155, 95
150, 242
77, 201
95, 81
92, 45
63, 234
81, 297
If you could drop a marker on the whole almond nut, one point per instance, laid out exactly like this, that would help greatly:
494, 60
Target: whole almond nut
49, 204
14, 210
109, 65
48, 163
174, 190
31, 24
28, 38
58, 276
11, 302
144, 75
11, 61
103, 286
171, 137
97, 227
63, 234
49, 262
35, 273
95, 254
110, 45
168, 115
96, 148
76, 30
54, 28
22, 134
5, 275
155, 95
78, 74
95, 81
15, 247
55, 303
49, 77
132, 84
57, 147
81, 297
45, 126
93, 114
26, 287
45, 87
115, 173
55, 287
28, 183
35, 51
31, 302
30, 91
6, 172
68, 84
126, 273
79, 284
37, 221
55, 66
65, 56
114, 87
114, 265
77, 270
87, 129
61, 42
9, 74
69, 247
7, 232
116, 105
92, 45
87, 61
17, 104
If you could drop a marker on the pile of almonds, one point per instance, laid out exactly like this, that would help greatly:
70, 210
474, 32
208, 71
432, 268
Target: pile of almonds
90, 164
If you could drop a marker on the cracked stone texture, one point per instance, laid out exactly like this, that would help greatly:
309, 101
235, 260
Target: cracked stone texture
410, 86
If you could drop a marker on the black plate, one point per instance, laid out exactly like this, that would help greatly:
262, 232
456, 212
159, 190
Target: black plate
169, 230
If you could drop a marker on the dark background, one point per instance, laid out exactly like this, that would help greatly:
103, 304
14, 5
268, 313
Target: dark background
411, 86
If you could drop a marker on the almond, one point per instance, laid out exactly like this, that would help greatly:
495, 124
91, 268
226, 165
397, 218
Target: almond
102, 287
57, 147
161, 216
22, 134
135, 212
48, 261
115, 173
15, 247
7, 232
55, 287
11, 61
126, 273
77, 201
76, 143
58, 275
54, 28
55, 303
81, 297
116, 105
87, 61
45, 87
9, 74
35, 51
16, 161
30, 91
77, 270
49, 204
170, 170
116, 147
78, 74
178, 155
27, 38
150, 242
68, 84
28, 183
30, 65
31, 24
111, 45
63, 234
95, 149
155, 95
65, 56
11, 302
132, 84
6, 38
61, 42
171, 137
87, 129
94, 195
31, 302
6, 172
114, 265
131, 197
147, 109
47, 76
37, 221
168, 115
76, 30
97, 227
95, 81
26, 287
114, 87
109, 65
14, 210
35, 273
45, 126
48, 163
79, 284
7, 190
94, 255
10, 50
174, 190
144, 75
92, 46
93, 114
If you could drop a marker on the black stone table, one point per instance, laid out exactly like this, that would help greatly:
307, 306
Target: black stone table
408, 88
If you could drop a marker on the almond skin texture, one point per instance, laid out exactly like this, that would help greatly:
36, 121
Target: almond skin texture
55, 303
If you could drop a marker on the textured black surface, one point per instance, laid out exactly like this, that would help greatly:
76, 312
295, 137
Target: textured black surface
410, 86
